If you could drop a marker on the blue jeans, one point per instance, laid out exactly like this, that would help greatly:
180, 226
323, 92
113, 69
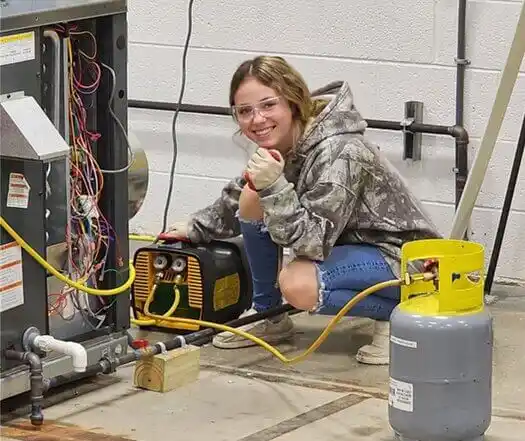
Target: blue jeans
347, 271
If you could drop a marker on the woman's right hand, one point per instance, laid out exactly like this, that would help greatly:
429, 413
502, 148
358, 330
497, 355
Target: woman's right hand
179, 230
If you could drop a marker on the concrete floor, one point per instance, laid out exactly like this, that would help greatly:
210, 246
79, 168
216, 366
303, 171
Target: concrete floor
246, 395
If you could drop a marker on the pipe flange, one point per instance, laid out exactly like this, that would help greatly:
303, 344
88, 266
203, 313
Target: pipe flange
462, 61
29, 337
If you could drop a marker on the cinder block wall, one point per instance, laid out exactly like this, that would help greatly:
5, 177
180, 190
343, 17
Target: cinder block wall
389, 52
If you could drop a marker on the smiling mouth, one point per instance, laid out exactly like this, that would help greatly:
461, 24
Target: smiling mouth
263, 132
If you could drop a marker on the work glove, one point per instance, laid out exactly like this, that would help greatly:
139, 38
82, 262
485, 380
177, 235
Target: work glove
264, 168
179, 230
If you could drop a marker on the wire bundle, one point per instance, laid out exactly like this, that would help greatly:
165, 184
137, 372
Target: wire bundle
89, 235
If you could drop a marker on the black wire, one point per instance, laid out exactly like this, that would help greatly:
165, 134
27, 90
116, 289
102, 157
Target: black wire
173, 128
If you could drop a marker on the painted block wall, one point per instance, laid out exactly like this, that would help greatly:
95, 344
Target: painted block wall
389, 52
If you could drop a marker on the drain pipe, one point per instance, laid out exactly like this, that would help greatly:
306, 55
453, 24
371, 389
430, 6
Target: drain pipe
32, 340
461, 167
36, 379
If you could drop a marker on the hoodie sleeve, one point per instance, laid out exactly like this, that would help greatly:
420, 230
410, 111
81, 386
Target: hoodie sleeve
311, 224
218, 220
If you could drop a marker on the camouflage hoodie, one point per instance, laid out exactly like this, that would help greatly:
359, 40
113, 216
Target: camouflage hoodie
336, 189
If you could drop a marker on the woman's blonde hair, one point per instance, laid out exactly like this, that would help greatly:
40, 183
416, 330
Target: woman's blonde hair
276, 73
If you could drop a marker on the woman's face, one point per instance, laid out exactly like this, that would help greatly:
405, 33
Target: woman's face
264, 116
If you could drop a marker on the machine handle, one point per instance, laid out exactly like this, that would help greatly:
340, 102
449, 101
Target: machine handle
168, 238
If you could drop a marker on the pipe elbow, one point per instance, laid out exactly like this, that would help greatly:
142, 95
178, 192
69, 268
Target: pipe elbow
460, 133
75, 350
34, 362
79, 355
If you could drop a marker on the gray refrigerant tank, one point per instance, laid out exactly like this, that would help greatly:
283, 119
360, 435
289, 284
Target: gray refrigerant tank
441, 342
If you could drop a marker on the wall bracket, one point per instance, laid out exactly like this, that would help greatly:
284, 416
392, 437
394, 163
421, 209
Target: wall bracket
412, 141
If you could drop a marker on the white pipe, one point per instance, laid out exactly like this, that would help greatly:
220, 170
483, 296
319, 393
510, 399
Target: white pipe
48, 343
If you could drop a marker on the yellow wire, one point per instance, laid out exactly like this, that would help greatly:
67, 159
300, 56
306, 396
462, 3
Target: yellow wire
351, 303
59, 275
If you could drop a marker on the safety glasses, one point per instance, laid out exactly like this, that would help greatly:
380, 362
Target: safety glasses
246, 112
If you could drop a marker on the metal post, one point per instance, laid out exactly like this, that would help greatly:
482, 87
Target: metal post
513, 179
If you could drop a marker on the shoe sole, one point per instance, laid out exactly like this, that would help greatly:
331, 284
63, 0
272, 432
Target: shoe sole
372, 361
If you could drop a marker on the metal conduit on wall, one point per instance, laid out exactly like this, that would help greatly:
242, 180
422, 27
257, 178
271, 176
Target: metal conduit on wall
461, 167
456, 131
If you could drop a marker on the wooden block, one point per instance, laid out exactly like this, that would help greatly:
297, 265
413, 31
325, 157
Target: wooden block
165, 372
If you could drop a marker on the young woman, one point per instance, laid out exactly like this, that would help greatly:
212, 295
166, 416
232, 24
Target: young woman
317, 187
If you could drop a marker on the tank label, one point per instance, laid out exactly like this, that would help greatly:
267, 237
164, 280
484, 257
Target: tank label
17, 48
401, 395
11, 280
403, 342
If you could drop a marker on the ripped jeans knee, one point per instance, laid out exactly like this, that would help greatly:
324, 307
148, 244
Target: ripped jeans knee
349, 270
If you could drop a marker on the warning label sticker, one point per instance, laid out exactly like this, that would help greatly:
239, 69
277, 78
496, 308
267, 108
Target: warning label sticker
18, 193
11, 278
403, 342
401, 395
17, 48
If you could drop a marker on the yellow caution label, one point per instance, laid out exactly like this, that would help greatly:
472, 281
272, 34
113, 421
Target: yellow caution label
227, 292
17, 48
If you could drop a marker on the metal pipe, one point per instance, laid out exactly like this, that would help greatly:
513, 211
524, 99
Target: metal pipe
461, 152
90, 371
513, 179
36, 379
454, 131
186, 108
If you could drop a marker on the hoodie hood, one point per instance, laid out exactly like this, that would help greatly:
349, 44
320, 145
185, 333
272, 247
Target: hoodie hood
340, 116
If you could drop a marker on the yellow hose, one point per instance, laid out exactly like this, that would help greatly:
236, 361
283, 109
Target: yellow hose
351, 303
59, 275
176, 302
154, 318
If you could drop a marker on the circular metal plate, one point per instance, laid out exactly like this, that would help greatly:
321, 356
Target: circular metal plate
138, 177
